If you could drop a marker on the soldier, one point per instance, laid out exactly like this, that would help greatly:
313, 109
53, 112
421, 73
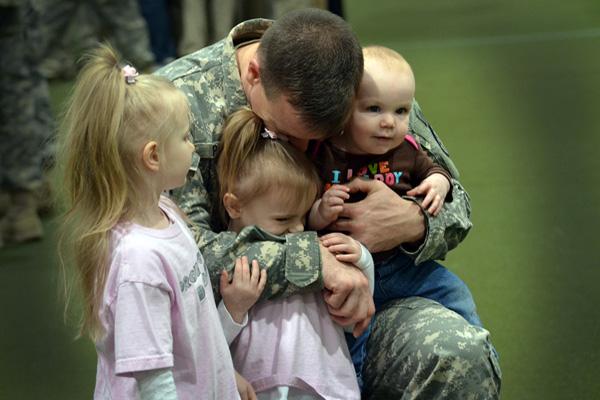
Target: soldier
26, 121
299, 74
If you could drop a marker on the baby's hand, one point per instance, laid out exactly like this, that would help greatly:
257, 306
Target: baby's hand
327, 209
343, 246
435, 188
332, 202
244, 289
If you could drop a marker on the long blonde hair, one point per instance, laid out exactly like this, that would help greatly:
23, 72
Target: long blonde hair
249, 165
106, 124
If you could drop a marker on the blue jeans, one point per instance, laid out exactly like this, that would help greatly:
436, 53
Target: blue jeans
398, 277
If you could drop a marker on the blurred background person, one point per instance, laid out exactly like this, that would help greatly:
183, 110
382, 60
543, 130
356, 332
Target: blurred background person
26, 123
72, 27
158, 16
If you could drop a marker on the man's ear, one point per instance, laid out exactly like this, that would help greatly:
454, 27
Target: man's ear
150, 157
232, 205
253, 75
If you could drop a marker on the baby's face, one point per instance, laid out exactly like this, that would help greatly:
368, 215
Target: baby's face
379, 121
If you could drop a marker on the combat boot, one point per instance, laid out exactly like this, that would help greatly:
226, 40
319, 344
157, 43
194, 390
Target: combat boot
23, 221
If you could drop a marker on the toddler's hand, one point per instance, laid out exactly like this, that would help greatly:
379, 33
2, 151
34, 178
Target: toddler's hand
342, 246
244, 289
435, 188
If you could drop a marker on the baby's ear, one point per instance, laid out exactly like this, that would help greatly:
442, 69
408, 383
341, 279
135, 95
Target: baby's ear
232, 205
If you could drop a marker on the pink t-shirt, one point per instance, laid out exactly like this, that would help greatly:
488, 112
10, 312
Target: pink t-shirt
159, 311
294, 342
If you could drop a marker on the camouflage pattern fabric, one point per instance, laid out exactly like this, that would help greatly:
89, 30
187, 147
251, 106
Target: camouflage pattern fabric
419, 349
27, 122
120, 19
407, 336
451, 226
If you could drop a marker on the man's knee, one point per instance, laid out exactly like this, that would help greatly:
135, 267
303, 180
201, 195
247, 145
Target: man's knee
419, 349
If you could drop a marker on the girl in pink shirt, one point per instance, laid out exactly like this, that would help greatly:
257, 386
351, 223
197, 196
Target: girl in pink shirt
147, 300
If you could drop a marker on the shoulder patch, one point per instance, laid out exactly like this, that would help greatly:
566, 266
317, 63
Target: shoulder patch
412, 141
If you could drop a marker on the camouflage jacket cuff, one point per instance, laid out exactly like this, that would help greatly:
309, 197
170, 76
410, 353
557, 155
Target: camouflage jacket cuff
414, 249
303, 261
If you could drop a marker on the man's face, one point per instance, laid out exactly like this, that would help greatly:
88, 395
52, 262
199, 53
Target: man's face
281, 117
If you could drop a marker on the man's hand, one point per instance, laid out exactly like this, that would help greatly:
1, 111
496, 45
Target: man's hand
244, 388
346, 293
381, 221
244, 289
435, 188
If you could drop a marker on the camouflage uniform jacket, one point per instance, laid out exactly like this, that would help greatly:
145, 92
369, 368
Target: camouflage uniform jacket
211, 80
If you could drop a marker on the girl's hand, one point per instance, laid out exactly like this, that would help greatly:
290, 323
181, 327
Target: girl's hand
435, 188
343, 246
244, 388
244, 289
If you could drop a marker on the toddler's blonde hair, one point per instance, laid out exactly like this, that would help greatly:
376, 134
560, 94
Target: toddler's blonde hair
250, 165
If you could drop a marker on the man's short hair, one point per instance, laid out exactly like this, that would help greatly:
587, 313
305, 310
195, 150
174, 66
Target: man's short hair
312, 57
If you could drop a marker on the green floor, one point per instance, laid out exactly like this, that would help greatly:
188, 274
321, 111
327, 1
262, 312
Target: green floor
513, 88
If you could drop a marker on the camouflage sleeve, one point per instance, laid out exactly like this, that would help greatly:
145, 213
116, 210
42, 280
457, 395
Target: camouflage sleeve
292, 261
451, 226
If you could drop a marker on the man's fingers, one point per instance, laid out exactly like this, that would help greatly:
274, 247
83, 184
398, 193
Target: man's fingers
342, 321
362, 185
334, 300
349, 307
343, 224
360, 327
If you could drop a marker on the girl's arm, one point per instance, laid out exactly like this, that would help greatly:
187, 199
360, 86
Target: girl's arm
156, 384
